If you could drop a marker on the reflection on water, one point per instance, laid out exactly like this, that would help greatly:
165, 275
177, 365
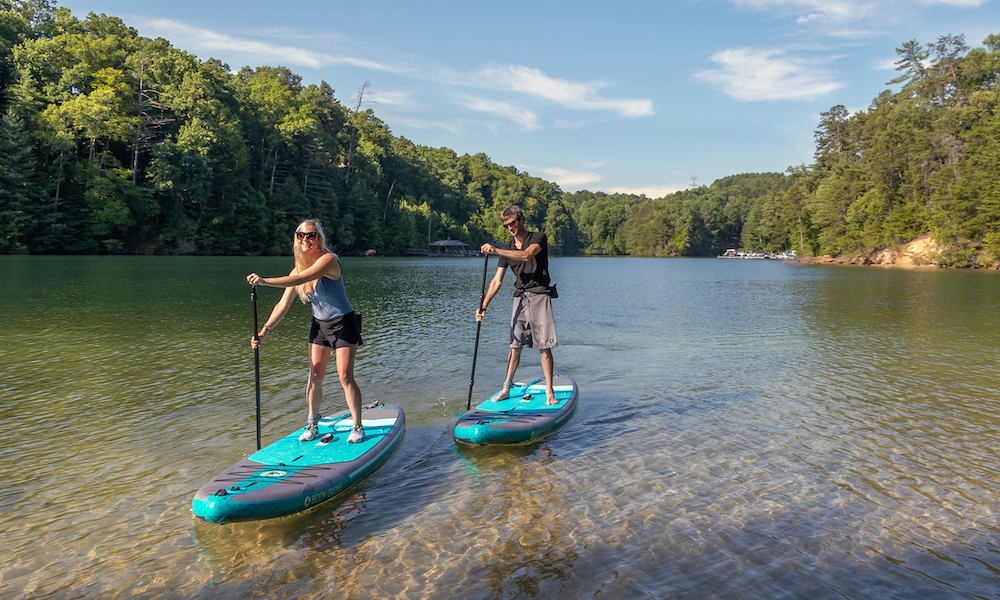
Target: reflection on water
746, 429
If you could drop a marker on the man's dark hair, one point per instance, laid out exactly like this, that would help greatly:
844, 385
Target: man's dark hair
512, 211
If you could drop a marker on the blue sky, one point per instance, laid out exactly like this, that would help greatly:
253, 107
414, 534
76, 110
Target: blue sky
639, 97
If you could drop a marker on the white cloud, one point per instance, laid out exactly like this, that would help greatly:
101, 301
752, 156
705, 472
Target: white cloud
568, 178
392, 98
201, 40
571, 94
753, 74
888, 64
255, 50
814, 9
847, 33
958, 3
651, 191
448, 126
848, 10
527, 119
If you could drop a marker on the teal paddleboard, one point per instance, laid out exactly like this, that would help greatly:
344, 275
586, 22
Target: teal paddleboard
290, 476
524, 416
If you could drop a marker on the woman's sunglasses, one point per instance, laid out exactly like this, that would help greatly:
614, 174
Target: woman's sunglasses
305, 235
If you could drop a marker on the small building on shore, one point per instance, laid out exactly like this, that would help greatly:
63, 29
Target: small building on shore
448, 247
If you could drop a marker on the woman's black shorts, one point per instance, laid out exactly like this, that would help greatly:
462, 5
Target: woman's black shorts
339, 333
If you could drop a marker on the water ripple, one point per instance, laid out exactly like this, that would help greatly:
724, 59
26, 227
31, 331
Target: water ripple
746, 430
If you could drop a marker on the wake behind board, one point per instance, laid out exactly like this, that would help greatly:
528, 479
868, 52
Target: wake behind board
289, 476
522, 417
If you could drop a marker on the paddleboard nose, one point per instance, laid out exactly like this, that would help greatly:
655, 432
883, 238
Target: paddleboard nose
479, 434
211, 510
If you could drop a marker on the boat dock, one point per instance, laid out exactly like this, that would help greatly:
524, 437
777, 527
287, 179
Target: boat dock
758, 254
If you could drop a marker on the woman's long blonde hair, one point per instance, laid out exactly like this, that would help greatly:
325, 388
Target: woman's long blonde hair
301, 263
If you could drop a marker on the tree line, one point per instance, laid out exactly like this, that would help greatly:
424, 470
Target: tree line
111, 142
115, 143
925, 159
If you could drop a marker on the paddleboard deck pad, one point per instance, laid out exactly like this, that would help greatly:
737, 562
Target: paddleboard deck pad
290, 476
524, 416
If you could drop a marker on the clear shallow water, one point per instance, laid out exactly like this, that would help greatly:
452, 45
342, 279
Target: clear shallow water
747, 429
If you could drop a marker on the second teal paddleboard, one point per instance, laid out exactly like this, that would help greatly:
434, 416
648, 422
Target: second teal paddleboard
524, 416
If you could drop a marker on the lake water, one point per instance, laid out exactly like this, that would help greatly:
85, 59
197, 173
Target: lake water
746, 429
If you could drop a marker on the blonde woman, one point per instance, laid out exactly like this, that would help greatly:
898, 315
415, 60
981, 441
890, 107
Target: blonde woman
317, 279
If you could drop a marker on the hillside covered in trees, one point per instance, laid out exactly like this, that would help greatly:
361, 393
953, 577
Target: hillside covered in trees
111, 142
115, 143
925, 159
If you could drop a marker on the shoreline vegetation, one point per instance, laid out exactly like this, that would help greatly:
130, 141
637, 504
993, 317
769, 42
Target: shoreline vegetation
113, 143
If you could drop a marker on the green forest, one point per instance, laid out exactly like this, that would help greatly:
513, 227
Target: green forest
112, 143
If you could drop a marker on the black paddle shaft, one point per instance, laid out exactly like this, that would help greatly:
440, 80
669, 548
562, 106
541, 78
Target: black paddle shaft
479, 326
256, 358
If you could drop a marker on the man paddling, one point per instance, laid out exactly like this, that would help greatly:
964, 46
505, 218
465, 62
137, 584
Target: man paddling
532, 324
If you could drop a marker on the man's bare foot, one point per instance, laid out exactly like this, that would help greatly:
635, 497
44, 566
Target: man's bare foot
505, 392
550, 398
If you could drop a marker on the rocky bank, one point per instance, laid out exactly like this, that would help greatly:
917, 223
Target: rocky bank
921, 253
